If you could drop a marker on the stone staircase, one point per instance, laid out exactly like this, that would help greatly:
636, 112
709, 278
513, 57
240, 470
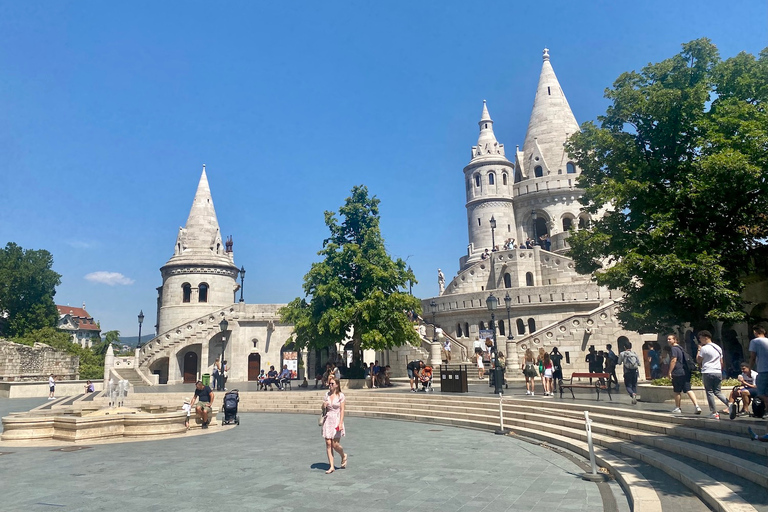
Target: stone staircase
132, 375
712, 460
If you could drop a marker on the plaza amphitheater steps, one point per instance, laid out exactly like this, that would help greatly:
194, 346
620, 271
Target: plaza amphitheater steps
714, 460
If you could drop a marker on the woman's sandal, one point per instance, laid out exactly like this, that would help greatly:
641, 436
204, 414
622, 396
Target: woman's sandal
344, 462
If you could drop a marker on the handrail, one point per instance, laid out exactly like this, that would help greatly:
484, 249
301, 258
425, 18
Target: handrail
463, 350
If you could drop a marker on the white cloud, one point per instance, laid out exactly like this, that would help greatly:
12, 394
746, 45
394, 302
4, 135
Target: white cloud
110, 278
80, 244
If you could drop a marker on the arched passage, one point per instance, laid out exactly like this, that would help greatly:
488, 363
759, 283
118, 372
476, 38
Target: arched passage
254, 366
190, 367
520, 326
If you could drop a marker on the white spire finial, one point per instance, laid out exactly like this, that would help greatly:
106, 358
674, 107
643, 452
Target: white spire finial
546, 54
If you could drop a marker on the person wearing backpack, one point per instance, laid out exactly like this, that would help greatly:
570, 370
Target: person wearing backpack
680, 374
611, 360
631, 364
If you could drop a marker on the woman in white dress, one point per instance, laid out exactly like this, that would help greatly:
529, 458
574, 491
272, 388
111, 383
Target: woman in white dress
333, 423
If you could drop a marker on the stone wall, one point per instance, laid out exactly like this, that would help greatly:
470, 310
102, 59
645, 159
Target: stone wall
24, 363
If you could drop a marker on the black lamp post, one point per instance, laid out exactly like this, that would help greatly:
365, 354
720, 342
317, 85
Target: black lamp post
410, 281
493, 234
498, 377
242, 278
141, 321
508, 303
223, 325
433, 308
535, 234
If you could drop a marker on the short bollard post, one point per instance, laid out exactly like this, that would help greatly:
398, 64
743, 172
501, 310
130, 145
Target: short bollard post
501, 430
594, 476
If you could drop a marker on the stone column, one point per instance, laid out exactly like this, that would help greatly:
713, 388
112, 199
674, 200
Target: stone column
512, 360
174, 372
434, 355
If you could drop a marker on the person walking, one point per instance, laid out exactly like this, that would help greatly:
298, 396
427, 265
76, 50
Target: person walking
611, 360
710, 357
557, 374
654, 361
529, 371
51, 387
631, 363
758, 361
333, 423
680, 375
547, 374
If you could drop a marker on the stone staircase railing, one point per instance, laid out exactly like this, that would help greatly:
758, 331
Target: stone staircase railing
194, 330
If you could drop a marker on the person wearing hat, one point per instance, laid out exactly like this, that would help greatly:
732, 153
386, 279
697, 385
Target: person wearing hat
187, 408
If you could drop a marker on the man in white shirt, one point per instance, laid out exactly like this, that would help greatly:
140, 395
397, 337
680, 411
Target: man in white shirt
758, 360
710, 357
51, 387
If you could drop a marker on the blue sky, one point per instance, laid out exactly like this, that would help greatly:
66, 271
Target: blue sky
108, 112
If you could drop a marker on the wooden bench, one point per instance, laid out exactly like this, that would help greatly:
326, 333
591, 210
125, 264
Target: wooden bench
602, 383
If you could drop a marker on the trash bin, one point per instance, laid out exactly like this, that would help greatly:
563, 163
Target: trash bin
206, 379
453, 379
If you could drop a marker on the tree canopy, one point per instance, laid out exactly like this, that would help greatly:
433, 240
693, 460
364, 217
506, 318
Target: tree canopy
680, 160
27, 287
355, 289
91, 363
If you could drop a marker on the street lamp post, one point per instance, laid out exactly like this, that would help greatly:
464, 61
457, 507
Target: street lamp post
498, 376
493, 234
242, 278
141, 321
508, 303
223, 325
433, 308
535, 233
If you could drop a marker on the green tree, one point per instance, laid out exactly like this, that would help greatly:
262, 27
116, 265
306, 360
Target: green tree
27, 287
356, 289
111, 338
91, 364
680, 160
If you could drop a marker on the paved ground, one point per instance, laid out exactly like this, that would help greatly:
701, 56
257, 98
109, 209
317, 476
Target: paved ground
277, 463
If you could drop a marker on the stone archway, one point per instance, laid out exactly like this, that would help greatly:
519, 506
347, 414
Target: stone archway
190, 367
254, 366
160, 368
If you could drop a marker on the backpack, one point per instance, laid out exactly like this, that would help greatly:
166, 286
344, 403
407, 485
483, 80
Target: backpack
758, 407
631, 361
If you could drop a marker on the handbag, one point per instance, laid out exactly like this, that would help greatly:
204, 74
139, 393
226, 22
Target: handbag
321, 419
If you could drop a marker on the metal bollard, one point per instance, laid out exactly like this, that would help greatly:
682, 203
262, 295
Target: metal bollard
501, 430
594, 476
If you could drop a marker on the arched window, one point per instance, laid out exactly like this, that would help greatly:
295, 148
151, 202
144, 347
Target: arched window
583, 222
570, 168
491, 180
531, 325
538, 172
501, 328
520, 326
186, 292
528, 279
621, 342
202, 292
477, 180
504, 178
507, 280
482, 325
567, 223
466, 329
458, 330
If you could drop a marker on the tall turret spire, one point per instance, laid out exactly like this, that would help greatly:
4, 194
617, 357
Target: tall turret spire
487, 145
551, 123
200, 239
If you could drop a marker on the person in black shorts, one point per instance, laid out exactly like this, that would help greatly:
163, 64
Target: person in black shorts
681, 377
414, 367
557, 374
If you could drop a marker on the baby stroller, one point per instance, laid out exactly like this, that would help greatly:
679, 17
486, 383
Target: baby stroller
231, 400
426, 379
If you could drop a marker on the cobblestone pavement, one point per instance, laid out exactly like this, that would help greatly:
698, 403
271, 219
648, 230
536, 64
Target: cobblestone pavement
277, 463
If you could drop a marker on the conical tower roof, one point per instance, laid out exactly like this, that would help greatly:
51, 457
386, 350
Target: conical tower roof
552, 121
487, 145
199, 241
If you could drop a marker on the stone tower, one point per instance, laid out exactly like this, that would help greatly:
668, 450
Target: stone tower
489, 182
201, 274
546, 198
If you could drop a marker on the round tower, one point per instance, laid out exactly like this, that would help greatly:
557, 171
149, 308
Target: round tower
201, 275
546, 197
489, 181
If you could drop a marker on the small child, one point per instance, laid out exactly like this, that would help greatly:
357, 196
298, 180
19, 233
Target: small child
188, 409
304, 383
426, 378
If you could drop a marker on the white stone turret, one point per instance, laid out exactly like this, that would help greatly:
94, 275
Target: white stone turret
545, 177
489, 182
201, 274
